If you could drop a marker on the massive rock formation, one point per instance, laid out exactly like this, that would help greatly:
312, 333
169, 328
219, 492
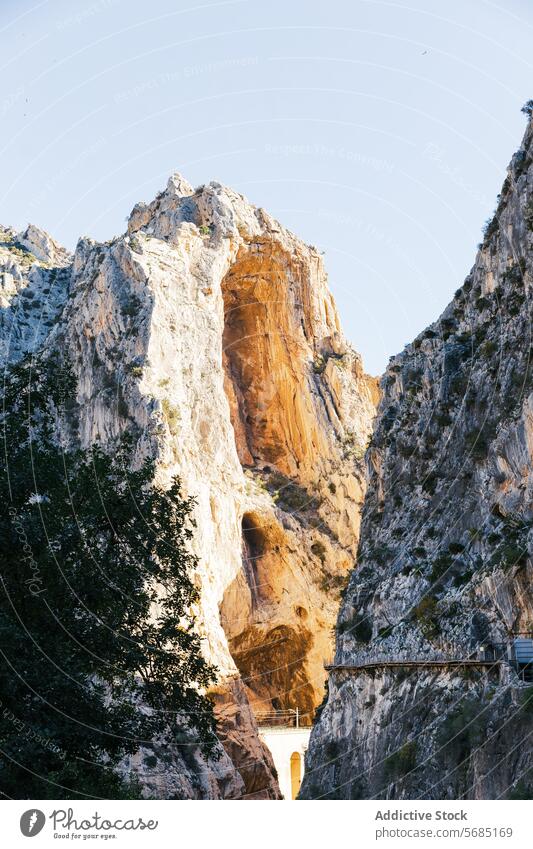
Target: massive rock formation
446, 545
209, 332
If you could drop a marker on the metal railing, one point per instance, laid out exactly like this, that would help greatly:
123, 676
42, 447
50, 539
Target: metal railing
484, 654
367, 659
290, 718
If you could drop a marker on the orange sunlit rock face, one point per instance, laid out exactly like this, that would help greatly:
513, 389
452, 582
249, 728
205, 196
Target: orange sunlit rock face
269, 359
300, 408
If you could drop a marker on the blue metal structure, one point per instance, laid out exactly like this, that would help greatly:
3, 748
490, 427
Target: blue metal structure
523, 656
523, 650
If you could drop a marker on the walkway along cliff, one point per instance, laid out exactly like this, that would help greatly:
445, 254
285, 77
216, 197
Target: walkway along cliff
445, 575
208, 331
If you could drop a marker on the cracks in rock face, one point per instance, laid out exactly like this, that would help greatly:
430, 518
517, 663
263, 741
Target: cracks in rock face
286, 422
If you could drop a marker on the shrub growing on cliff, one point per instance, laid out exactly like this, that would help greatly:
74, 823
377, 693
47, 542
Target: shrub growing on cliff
463, 729
429, 483
440, 566
401, 762
512, 548
482, 303
477, 441
528, 214
490, 227
521, 790
425, 614
132, 307
526, 701
488, 348
443, 419
171, 414
319, 363
290, 496
98, 648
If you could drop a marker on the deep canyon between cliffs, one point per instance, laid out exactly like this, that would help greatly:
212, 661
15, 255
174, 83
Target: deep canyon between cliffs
208, 330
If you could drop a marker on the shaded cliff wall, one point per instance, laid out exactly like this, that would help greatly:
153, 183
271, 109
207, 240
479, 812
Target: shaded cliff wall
446, 544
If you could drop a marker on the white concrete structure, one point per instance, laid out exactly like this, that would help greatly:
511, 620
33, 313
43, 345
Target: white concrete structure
288, 747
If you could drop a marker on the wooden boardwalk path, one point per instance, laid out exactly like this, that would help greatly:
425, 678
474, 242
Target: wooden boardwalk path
412, 664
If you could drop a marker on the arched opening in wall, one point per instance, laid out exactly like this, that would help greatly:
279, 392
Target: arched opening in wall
253, 548
296, 774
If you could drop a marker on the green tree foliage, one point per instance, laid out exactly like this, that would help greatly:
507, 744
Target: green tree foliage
521, 790
463, 729
97, 649
401, 762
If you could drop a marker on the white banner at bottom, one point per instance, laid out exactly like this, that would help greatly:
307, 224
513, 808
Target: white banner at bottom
254, 825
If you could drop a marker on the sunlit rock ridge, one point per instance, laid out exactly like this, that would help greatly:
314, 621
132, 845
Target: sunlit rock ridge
208, 331
446, 543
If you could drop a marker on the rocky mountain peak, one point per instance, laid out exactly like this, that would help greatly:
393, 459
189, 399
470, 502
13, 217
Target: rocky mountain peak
43, 246
34, 281
208, 332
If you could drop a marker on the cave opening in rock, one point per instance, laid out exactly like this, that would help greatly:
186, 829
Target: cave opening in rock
253, 535
253, 548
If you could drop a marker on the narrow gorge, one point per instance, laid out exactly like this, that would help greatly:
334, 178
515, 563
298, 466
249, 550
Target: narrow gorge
208, 333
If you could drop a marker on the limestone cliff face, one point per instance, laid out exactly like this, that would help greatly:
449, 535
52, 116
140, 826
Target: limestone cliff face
208, 330
446, 546
34, 278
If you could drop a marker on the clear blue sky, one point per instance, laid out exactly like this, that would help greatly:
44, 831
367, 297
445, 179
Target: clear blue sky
379, 131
